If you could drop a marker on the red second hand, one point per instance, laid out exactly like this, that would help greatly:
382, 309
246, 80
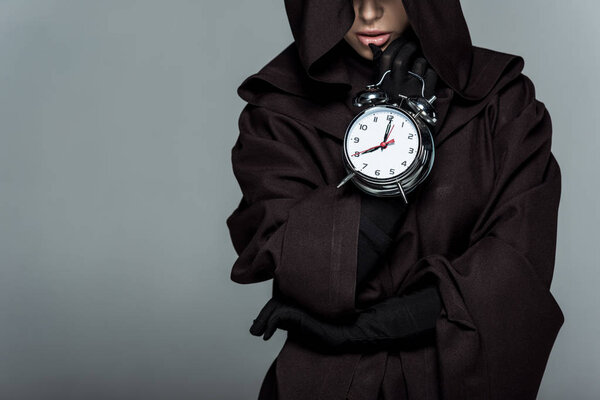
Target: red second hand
383, 145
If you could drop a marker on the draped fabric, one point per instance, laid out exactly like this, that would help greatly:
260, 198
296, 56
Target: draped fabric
482, 225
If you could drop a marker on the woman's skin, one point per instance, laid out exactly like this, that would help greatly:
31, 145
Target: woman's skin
378, 22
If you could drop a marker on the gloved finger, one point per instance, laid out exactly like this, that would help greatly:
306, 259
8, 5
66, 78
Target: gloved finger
387, 57
317, 329
376, 50
419, 66
403, 60
272, 325
260, 322
431, 79
290, 318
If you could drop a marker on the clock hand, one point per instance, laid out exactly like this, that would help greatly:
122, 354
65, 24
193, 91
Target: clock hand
388, 132
367, 150
381, 145
385, 144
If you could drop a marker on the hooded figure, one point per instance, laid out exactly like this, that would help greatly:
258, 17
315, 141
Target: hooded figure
483, 224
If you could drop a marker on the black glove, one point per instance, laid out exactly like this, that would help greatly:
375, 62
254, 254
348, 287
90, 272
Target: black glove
379, 326
379, 221
402, 54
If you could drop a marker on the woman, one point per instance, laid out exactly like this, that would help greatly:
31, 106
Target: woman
470, 257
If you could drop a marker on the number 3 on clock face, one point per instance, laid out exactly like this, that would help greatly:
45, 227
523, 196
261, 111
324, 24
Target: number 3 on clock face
381, 142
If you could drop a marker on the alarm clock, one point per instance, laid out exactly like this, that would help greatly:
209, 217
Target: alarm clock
388, 147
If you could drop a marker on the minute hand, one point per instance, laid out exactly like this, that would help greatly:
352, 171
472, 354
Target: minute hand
387, 132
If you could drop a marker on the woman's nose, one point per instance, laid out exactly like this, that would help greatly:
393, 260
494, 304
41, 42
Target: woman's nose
369, 10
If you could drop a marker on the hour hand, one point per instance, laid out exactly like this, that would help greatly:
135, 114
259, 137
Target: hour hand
381, 145
371, 149
367, 150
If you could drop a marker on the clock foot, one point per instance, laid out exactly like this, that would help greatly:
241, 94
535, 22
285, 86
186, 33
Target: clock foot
402, 192
346, 179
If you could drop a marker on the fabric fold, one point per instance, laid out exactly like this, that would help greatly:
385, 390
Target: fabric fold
293, 224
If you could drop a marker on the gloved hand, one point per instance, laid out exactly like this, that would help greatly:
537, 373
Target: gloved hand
401, 54
380, 325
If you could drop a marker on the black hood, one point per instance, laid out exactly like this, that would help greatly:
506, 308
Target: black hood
309, 80
440, 27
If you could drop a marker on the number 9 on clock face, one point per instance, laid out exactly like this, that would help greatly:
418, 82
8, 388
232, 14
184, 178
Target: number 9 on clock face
381, 142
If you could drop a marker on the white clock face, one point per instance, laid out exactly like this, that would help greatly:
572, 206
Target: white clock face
382, 143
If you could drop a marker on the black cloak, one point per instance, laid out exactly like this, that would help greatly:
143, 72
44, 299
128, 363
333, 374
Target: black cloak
483, 224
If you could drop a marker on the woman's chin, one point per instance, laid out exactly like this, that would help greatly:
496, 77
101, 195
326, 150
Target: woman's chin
364, 52
367, 54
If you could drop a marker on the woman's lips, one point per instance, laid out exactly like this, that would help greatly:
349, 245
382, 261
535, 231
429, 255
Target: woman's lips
378, 40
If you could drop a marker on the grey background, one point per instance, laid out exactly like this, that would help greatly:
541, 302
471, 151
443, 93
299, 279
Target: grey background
115, 182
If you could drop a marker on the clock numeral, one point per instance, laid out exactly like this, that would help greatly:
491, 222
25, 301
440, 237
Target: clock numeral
363, 127
375, 118
411, 150
377, 172
402, 126
356, 154
392, 171
356, 139
364, 166
390, 117
410, 135
404, 163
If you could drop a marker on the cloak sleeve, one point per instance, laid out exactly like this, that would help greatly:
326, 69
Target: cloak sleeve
292, 224
500, 319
